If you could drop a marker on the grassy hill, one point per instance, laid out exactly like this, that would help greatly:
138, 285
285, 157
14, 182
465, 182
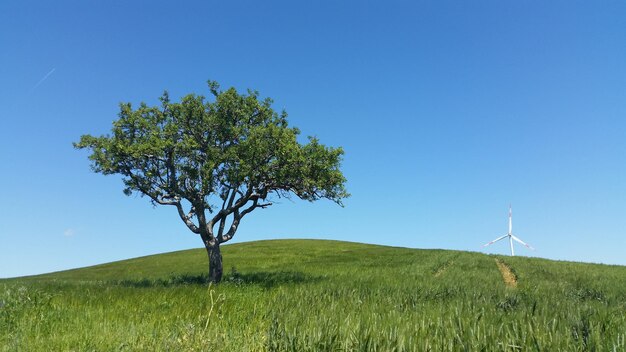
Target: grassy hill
314, 295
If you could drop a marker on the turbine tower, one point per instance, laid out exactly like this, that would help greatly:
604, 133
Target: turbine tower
510, 235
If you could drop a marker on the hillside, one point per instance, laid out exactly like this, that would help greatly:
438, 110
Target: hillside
318, 295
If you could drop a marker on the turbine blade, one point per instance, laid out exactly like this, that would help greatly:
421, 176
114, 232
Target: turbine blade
522, 242
496, 240
510, 219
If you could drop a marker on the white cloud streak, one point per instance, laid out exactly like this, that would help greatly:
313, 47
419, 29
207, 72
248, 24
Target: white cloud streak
43, 79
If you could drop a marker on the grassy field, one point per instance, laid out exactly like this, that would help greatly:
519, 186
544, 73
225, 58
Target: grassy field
314, 295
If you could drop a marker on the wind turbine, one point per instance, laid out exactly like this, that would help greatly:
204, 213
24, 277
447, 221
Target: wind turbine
510, 235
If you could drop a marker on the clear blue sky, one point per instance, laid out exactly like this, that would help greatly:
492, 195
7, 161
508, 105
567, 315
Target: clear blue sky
447, 110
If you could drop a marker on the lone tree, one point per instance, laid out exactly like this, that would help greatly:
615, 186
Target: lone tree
215, 161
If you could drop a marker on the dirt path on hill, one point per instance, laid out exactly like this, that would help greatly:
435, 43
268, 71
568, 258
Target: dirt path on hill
507, 275
443, 268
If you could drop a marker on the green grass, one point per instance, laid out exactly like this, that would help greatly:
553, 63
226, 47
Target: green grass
313, 295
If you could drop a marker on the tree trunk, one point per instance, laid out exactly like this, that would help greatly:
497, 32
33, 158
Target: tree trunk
215, 263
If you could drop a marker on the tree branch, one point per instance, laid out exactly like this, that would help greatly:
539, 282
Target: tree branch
150, 193
187, 217
233, 227
174, 201
231, 208
237, 216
